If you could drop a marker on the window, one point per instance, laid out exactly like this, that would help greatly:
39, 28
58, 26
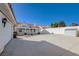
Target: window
20, 30
34, 30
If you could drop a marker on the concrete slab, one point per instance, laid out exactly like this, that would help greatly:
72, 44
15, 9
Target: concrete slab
43, 45
75, 48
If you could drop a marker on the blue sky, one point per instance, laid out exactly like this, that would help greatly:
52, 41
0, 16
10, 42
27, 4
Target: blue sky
45, 13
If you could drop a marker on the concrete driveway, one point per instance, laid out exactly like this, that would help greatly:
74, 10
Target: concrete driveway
43, 45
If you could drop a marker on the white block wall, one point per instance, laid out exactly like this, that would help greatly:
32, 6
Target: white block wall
56, 30
60, 30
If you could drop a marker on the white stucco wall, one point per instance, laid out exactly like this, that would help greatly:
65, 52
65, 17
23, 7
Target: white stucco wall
56, 30
5, 33
61, 30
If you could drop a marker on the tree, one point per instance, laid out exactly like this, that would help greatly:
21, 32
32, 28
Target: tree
51, 24
61, 24
54, 24
74, 24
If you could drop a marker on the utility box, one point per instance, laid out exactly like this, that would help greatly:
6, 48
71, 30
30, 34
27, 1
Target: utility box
71, 32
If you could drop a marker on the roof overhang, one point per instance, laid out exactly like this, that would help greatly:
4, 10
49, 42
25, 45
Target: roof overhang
6, 9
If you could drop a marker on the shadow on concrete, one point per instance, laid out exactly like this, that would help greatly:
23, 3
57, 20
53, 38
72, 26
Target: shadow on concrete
34, 48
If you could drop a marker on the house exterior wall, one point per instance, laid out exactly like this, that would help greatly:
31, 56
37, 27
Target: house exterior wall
27, 30
6, 33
